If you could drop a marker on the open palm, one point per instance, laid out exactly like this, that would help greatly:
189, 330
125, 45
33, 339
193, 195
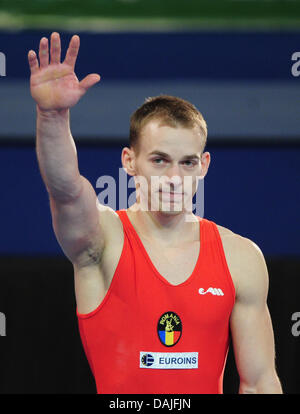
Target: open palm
54, 85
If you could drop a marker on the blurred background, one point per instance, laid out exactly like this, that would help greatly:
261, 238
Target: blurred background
237, 62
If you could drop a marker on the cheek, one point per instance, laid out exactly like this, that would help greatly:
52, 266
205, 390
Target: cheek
143, 177
146, 170
190, 183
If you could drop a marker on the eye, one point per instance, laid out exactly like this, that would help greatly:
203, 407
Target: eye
158, 161
189, 163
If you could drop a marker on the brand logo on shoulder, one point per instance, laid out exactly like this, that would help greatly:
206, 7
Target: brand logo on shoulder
213, 291
169, 328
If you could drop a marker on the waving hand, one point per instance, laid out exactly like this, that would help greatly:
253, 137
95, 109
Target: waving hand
54, 85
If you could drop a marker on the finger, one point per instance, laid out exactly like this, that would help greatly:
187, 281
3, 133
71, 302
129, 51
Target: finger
44, 52
55, 48
72, 51
33, 62
89, 81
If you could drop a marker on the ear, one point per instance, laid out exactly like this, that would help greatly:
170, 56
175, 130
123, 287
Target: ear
205, 161
128, 161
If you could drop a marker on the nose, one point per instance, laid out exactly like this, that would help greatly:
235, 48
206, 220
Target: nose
173, 176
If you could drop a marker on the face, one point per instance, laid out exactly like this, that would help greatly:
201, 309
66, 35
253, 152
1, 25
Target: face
167, 167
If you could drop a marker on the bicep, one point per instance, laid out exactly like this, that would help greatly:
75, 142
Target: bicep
77, 227
250, 324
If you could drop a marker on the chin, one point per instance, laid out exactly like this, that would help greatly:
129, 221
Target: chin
170, 209
170, 212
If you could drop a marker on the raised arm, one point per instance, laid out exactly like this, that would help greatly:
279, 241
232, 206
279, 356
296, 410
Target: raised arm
251, 326
55, 88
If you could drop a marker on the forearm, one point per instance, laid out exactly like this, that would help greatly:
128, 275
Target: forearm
57, 155
268, 385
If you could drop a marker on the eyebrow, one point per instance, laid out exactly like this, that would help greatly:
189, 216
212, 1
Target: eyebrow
165, 155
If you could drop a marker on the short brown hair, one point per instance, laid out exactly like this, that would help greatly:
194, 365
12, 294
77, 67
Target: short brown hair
171, 110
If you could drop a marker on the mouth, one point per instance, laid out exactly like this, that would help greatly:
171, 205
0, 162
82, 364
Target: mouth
171, 195
171, 192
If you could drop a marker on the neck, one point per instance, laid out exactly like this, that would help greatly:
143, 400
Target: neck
165, 226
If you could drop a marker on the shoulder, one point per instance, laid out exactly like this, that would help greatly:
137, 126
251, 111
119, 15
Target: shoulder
245, 261
239, 247
110, 220
112, 228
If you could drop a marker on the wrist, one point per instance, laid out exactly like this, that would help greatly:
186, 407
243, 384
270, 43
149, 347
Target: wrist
52, 113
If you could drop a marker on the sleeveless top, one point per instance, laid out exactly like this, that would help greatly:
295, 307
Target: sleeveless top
148, 336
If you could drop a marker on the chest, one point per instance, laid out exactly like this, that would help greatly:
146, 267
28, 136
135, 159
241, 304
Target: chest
175, 264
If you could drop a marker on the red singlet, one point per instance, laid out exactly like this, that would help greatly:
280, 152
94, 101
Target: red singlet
150, 337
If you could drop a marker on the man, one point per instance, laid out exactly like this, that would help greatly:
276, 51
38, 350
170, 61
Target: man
157, 289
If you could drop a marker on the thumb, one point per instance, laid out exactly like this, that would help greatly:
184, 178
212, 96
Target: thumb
89, 81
